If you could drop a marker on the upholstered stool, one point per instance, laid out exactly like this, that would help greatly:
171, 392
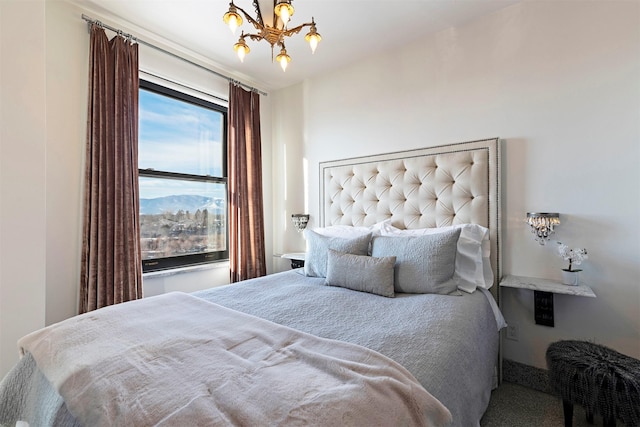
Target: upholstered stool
601, 380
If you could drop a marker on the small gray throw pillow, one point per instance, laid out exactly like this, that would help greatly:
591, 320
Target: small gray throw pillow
424, 264
361, 273
315, 261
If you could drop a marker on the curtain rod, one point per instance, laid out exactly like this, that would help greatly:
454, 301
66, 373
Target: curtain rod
140, 41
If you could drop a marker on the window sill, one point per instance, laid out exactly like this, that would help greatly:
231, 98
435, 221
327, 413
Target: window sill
182, 270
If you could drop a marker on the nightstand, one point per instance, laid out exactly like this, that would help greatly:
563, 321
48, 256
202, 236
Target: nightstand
543, 290
297, 259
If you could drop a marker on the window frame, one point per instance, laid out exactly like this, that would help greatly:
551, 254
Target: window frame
179, 261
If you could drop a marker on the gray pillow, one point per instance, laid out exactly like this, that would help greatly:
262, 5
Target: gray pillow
361, 273
315, 260
424, 264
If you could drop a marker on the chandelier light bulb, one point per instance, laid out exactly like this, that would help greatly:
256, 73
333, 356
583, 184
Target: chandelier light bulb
313, 37
283, 59
241, 49
241, 54
232, 18
284, 10
284, 15
313, 42
233, 23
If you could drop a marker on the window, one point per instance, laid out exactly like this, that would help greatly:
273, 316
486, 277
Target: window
182, 163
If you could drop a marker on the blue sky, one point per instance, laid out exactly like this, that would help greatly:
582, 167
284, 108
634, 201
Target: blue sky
177, 136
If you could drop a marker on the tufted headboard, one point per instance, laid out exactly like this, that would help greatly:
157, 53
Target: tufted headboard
430, 187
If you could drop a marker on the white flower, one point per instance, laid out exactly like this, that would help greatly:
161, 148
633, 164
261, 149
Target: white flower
574, 256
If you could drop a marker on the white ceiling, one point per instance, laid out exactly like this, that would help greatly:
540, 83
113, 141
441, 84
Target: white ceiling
350, 29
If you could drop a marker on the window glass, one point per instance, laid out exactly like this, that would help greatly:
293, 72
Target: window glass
177, 136
183, 186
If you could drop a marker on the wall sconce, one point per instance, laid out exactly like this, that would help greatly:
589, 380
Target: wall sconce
300, 221
542, 224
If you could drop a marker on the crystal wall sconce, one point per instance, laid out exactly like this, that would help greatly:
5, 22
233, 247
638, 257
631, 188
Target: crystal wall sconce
300, 221
542, 224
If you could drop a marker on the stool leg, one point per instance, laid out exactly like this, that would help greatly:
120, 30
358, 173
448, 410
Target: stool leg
568, 413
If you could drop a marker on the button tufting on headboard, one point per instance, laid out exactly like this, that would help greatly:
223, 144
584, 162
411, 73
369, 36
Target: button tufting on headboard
431, 187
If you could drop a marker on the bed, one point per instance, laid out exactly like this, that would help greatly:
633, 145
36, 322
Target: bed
393, 320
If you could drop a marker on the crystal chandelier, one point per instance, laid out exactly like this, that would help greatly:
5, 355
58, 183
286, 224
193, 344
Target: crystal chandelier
300, 221
542, 224
275, 34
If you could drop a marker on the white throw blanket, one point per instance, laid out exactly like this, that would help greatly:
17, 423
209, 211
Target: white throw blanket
175, 359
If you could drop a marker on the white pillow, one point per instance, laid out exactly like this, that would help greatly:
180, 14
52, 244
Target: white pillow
473, 264
315, 260
424, 264
351, 231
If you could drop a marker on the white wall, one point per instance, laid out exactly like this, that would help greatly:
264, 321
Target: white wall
289, 170
23, 185
67, 52
559, 82
44, 48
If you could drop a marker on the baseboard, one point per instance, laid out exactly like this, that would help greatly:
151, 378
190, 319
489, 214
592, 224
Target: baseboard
525, 375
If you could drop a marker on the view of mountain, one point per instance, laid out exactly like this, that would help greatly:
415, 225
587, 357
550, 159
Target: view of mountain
185, 202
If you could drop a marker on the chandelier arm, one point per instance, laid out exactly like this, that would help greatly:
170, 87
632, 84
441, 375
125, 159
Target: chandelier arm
256, 7
259, 26
296, 30
254, 37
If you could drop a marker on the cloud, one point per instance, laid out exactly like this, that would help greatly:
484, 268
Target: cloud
177, 136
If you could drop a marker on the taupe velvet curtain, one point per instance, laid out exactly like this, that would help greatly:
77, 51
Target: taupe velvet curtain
246, 212
111, 269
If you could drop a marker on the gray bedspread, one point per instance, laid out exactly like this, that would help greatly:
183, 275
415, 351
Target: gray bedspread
449, 343
178, 360
26, 394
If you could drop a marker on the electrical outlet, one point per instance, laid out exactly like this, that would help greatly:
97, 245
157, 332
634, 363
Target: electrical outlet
512, 331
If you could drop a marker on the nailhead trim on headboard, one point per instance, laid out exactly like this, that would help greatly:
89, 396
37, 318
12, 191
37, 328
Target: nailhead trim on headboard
431, 187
